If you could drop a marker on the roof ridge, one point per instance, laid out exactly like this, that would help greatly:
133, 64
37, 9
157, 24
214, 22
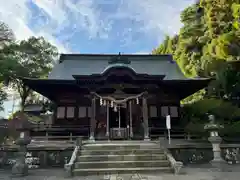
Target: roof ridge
64, 57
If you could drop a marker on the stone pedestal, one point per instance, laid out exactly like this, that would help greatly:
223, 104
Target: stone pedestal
20, 168
91, 138
213, 128
146, 136
216, 141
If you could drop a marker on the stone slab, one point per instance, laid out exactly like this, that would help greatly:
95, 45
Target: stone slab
203, 172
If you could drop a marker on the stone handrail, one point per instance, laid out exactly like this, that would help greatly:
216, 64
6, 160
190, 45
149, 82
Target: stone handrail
69, 167
176, 165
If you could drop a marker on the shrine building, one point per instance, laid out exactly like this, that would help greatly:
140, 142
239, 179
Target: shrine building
114, 96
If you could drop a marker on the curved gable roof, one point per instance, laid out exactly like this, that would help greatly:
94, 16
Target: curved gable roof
88, 64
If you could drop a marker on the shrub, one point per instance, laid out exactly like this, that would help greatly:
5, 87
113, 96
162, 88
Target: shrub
196, 115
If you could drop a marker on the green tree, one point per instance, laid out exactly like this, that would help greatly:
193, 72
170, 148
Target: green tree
3, 97
209, 38
6, 34
208, 45
32, 58
186, 47
6, 37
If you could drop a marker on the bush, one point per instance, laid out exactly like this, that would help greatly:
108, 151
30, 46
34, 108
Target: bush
196, 115
231, 129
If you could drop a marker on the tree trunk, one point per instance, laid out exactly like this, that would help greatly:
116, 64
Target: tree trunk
25, 91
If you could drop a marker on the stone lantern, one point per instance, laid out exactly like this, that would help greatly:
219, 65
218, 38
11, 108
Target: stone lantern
20, 168
213, 128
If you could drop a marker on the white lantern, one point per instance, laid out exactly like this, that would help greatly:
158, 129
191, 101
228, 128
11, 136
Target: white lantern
112, 104
104, 102
101, 102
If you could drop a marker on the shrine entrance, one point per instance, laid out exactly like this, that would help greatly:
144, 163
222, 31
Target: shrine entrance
118, 119
118, 123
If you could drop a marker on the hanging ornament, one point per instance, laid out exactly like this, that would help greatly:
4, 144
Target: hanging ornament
104, 102
101, 101
115, 108
137, 100
112, 104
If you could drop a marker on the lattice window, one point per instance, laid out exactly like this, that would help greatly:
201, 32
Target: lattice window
70, 112
61, 112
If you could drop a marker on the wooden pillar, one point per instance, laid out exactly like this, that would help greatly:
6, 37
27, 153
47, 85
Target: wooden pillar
93, 120
107, 128
145, 118
130, 119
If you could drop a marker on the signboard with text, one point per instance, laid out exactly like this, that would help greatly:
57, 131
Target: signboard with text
168, 122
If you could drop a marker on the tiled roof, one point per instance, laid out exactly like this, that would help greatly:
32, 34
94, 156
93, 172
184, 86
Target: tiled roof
87, 64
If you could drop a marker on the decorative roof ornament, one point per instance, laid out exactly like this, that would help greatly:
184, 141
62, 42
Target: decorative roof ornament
119, 59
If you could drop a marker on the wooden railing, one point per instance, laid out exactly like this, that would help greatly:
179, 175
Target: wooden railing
43, 127
56, 132
156, 132
59, 132
71, 132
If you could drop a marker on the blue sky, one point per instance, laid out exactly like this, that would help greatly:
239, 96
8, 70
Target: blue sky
95, 26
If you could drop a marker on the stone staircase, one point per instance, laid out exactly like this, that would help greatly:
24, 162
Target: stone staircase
121, 157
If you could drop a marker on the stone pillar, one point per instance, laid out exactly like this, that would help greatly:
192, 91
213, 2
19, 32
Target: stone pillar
20, 168
216, 141
213, 128
145, 118
93, 120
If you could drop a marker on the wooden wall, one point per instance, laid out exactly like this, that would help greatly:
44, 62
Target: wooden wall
74, 109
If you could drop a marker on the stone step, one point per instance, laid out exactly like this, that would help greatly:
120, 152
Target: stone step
129, 157
104, 171
121, 164
122, 152
112, 146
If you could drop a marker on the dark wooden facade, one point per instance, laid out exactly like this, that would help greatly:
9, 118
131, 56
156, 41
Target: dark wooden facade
146, 100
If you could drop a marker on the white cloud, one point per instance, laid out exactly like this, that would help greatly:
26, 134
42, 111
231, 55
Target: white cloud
17, 15
60, 20
76, 16
61, 48
158, 17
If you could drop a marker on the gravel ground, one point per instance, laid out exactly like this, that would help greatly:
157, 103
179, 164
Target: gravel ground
197, 172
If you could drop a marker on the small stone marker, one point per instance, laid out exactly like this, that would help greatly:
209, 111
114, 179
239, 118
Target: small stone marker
106, 176
137, 176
